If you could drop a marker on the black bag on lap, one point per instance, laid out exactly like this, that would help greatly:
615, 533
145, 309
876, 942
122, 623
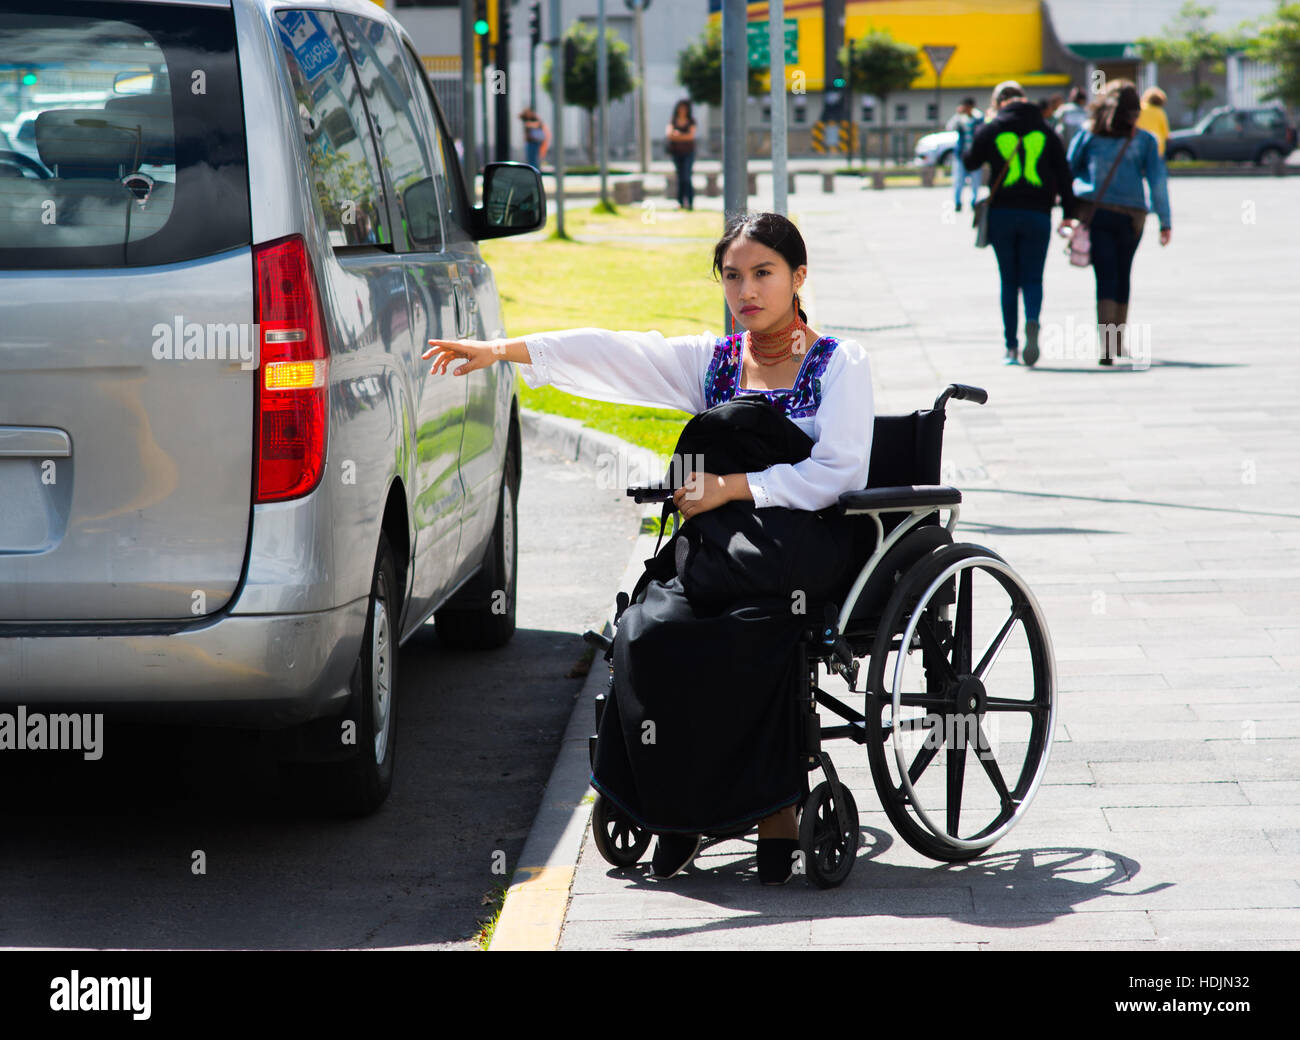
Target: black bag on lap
737, 552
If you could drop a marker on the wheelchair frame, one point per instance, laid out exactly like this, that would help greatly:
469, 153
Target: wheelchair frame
931, 574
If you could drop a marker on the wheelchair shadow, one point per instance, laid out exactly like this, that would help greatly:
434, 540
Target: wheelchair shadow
1019, 888
1124, 365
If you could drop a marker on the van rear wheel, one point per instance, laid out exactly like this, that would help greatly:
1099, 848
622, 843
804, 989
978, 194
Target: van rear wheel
358, 773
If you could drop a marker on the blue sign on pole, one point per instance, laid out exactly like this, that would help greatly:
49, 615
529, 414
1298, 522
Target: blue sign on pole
309, 41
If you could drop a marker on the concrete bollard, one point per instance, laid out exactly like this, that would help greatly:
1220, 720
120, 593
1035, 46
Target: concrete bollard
828, 183
670, 186
712, 188
751, 185
878, 180
927, 176
789, 182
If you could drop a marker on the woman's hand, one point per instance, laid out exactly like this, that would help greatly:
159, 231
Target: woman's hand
704, 491
478, 353
1165, 233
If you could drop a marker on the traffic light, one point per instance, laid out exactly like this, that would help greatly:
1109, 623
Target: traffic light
535, 24
481, 27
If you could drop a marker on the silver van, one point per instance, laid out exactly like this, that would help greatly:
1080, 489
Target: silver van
229, 487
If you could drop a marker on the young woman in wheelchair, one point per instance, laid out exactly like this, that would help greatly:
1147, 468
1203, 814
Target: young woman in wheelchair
717, 699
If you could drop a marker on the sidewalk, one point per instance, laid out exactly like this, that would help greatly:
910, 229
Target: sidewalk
1156, 516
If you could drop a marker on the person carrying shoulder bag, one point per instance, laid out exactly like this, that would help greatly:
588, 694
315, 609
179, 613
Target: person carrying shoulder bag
1109, 161
1028, 172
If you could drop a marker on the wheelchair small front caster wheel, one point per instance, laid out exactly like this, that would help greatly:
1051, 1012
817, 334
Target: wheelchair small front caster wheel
828, 849
620, 841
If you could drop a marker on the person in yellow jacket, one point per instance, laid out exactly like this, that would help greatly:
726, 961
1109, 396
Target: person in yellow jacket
1153, 116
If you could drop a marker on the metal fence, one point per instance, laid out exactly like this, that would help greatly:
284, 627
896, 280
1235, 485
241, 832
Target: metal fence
444, 75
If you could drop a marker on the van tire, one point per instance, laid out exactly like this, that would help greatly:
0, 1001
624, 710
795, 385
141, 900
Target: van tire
490, 625
358, 784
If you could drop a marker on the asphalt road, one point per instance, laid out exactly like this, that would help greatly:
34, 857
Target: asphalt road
103, 854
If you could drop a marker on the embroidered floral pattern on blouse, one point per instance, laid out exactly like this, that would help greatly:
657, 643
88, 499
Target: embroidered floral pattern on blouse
722, 380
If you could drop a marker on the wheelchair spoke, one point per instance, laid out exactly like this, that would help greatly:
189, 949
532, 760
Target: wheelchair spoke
956, 777
925, 700
1003, 704
984, 752
996, 644
930, 642
924, 757
961, 651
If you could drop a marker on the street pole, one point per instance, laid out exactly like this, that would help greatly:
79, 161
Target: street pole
483, 78
602, 99
557, 102
848, 107
643, 110
469, 146
735, 80
776, 64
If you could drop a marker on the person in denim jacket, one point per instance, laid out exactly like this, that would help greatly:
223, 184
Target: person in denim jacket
1119, 217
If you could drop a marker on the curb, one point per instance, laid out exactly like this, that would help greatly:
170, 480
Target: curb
532, 916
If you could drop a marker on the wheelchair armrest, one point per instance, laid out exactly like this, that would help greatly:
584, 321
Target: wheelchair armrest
892, 499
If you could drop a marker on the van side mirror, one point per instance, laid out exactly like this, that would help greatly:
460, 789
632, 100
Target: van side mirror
514, 201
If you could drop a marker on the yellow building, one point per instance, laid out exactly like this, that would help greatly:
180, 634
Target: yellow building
993, 40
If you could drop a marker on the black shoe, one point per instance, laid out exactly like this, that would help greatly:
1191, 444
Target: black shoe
776, 860
673, 854
958, 207
1030, 354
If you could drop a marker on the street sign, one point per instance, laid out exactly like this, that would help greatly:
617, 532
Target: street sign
938, 55
757, 39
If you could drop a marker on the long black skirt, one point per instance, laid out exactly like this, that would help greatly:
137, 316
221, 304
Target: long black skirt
701, 733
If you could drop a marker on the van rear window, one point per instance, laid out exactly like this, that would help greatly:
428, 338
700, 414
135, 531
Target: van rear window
121, 135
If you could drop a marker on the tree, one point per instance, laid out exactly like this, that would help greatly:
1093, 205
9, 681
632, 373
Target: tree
1189, 43
699, 69
881, 66
581, 46
1276, 41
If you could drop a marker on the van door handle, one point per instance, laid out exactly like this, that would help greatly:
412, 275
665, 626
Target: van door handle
44, 442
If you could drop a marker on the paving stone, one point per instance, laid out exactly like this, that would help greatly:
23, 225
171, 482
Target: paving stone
1237, 928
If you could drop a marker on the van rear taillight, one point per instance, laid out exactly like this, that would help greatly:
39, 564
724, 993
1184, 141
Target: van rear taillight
293, 373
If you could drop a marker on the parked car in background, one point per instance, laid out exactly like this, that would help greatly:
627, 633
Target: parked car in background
1259, 135
936, 149
229, 486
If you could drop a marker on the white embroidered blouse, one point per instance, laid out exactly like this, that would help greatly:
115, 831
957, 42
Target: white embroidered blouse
830, 400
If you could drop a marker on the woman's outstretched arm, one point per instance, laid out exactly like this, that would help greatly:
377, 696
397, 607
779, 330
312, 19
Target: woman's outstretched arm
476, 354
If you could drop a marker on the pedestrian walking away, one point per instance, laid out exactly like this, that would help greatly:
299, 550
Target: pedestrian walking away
1027, 172
965, 122
1115, 147
1070, 118
1153, 118
706, 668
537, 138
681, 147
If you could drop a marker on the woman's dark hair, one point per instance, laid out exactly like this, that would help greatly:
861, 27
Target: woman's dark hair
768, 229
1115, 113
678, 107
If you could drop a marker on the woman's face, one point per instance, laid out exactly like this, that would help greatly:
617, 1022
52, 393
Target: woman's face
760, 285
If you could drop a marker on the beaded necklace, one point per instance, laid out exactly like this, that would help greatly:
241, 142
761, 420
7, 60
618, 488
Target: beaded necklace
774, 347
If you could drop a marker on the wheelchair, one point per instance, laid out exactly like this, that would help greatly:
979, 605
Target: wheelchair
958, 677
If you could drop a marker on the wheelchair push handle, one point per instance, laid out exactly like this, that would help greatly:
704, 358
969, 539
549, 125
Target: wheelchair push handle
651, 493
962, 392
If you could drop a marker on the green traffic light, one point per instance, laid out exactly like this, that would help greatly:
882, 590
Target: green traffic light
481, 27
839, 81
29, 79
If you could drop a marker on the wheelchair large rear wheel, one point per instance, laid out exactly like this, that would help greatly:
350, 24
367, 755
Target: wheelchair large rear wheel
961, 702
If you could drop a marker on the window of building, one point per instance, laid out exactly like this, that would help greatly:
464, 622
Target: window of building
900, 112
